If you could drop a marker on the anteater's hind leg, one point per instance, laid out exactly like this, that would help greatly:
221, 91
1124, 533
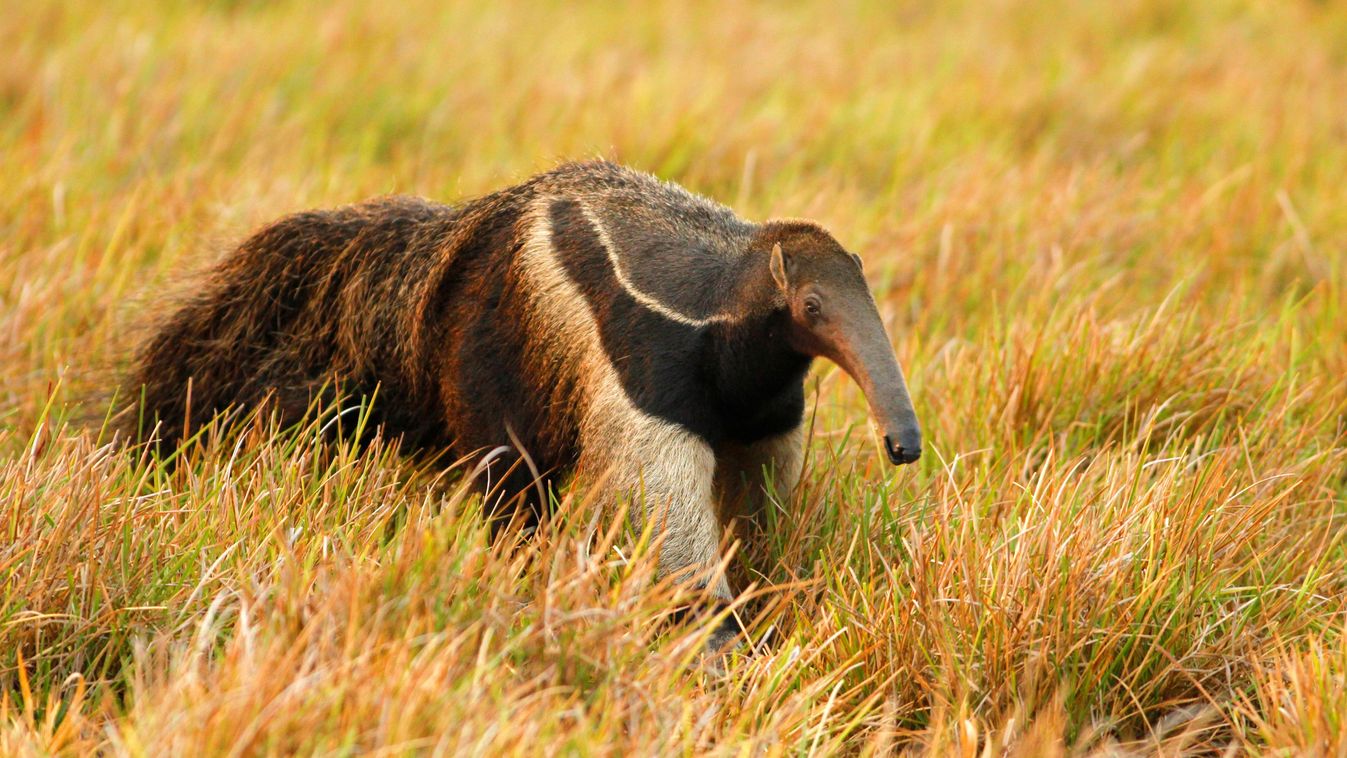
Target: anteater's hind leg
513, 490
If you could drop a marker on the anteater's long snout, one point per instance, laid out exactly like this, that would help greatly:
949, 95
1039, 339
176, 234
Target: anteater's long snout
893, 412
864, 352
907, 449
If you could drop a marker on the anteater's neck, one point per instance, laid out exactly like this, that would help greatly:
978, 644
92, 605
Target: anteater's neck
757, 378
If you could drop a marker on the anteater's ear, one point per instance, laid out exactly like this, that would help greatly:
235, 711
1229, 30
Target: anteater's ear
779, 265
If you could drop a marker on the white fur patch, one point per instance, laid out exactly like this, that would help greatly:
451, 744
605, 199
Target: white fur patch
635, 453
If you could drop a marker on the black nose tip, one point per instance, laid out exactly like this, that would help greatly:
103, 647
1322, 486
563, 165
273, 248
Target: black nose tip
898, 454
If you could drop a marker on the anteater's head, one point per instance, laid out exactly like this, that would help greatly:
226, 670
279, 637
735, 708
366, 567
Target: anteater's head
832, 315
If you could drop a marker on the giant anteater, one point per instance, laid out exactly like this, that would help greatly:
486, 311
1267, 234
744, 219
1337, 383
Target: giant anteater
593, 318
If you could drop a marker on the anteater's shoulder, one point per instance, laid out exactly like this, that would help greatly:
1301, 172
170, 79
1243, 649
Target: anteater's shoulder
644, 205
622, 184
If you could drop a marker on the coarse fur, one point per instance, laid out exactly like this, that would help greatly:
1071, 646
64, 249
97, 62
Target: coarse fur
601, 321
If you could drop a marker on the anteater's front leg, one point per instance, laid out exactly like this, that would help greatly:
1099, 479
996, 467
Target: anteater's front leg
671, 473
747, 475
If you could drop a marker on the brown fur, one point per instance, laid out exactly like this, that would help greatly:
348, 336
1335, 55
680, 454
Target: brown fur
313, 299
592, 319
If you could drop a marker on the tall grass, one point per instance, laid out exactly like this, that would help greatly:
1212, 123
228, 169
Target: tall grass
1108, 240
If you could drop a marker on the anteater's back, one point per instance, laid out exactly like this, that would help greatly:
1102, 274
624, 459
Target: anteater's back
315, 297
429, 305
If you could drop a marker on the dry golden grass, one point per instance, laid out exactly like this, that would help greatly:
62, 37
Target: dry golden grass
1109, 242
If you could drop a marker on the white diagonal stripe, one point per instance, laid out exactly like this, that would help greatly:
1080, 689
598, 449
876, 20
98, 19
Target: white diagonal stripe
644, 298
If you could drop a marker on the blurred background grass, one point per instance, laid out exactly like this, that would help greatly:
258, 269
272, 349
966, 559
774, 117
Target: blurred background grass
1109, 242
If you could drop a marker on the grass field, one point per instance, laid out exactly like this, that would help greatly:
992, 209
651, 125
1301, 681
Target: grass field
1108, 239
